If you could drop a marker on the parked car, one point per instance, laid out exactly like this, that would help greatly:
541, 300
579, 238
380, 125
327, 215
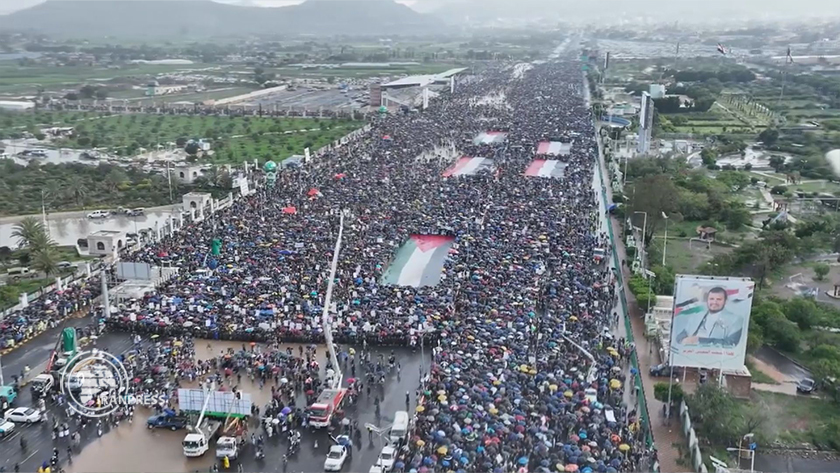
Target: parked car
387, 457
335, 458
99, 214
166, 421
6, 428
138, 212
806, 386
23, 415
662, 369
65, 265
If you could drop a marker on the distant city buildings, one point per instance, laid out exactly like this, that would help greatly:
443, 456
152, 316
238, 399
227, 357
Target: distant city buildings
645, 124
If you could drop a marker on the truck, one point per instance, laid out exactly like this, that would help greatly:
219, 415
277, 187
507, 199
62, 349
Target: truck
227, 447
198, 441
8, 394
167, 420
322, 410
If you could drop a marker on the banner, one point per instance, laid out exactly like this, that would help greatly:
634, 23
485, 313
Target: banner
710, 322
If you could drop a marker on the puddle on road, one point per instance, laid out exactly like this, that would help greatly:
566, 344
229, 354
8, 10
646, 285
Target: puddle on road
133, 447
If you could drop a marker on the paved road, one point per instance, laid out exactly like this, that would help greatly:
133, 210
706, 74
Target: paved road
40, 443
39, 436
36, 351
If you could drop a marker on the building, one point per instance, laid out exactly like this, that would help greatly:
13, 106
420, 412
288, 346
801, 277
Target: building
657, 91
645, 124
106, 242
15, 105
186, 174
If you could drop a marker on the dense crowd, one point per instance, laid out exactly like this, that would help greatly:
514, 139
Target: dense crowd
520, 293
47, 311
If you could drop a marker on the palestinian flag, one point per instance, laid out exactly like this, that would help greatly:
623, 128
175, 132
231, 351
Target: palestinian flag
490, 138
553, 147
546, 168
467, 166
419, 262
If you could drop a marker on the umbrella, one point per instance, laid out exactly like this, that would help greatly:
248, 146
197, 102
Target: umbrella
615, 384
571, 467
624, 447
420, 409
443, 450
286, 410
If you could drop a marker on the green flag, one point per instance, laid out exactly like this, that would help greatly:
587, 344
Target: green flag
217, 247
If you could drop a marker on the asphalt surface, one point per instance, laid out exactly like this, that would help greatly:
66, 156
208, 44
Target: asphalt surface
782, 363
783, 464
38, 437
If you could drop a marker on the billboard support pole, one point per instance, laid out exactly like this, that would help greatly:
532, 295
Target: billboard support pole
670, 388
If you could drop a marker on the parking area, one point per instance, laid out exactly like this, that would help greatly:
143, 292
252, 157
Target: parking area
312, 99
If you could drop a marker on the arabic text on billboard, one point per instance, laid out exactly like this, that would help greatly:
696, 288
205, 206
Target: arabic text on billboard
711, 319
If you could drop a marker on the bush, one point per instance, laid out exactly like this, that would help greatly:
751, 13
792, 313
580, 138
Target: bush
778, 190
660, 393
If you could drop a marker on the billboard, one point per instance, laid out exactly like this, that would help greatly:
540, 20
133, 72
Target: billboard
710, 322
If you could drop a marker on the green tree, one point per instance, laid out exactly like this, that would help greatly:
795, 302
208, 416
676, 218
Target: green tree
803, 312
777, 162
646, 196
821, 270
27, 231
769, 136
660, 393
45, 260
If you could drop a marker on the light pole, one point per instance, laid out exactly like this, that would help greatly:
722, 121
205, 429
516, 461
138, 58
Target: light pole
665, 245
644, 237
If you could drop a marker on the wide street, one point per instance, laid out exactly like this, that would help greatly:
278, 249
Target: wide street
126, 446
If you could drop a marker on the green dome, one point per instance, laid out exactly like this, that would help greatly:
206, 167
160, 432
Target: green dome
383, 109
270, 166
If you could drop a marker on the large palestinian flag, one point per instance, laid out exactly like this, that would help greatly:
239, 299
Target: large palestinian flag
490, 138
546, 168
553, 147
467, 166
419, 262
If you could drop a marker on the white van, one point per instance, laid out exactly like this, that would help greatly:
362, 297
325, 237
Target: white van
399, 430
16, 274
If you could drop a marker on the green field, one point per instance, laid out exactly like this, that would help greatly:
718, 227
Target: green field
363, 72
235, 139
16, 79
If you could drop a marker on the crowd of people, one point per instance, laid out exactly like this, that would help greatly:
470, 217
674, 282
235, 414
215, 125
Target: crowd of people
47, 311
525, 374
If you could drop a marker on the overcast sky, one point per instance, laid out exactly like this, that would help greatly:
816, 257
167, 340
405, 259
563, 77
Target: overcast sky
8, 6
757, 8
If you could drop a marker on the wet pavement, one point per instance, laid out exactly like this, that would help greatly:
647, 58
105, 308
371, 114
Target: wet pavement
66, 229
783, 464
132, 447
38, 437
783, 364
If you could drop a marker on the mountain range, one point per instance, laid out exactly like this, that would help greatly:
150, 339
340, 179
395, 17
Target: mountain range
205, 18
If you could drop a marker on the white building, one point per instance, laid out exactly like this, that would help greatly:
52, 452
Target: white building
16, 105
645, 124
657, 91
186, 174
106, 242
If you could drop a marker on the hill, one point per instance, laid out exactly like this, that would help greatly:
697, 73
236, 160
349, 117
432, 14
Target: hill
204, 18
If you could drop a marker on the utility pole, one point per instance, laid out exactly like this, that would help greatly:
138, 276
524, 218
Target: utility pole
2, 383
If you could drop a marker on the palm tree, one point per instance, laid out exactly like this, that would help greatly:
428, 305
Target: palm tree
76, 189
41, 242
45, 261
27, 230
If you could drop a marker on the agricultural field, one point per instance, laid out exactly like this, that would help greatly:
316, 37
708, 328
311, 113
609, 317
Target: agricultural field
235, 139
26, 80
362, 72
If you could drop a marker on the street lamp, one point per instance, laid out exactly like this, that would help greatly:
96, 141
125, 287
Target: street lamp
665, 245
644, 236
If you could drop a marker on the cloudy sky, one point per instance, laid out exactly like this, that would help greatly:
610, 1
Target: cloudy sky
8, 6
